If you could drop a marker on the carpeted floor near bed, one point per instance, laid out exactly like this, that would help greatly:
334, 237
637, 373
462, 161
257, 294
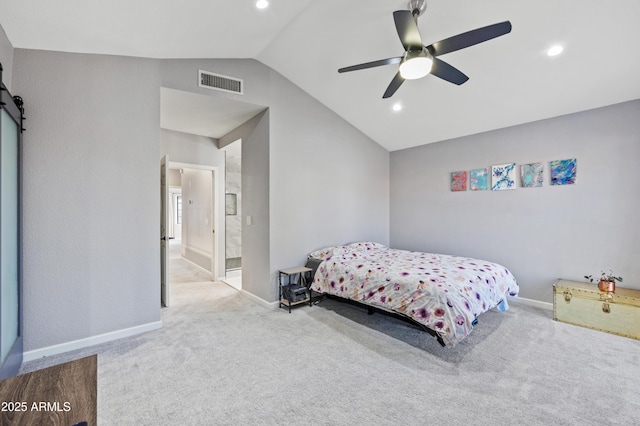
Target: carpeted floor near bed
223, 359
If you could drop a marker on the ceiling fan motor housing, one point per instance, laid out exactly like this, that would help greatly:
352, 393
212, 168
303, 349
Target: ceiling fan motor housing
417, 7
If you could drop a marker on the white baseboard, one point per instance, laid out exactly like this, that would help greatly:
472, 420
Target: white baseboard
192, 263
272, 305
531, 302
90, 341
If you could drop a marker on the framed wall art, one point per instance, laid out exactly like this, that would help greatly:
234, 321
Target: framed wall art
531, 175
503, 177
563, 172
479, 179
459, 181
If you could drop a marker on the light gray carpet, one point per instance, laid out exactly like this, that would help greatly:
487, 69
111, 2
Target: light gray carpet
222, 359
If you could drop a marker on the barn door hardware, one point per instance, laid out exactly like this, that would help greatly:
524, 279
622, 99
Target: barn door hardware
20, 104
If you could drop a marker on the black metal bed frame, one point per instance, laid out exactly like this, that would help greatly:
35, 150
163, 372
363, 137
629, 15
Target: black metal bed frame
373, 309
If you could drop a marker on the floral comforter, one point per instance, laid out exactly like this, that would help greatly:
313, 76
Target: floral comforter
444, 293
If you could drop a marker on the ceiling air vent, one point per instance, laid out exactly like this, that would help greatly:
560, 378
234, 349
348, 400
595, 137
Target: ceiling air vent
220, 82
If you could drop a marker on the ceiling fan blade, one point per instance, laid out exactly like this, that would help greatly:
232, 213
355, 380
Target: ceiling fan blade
447, 72
372, 64
407, 30
393, 86
469, 38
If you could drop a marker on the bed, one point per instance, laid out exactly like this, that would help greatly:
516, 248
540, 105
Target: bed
443, 294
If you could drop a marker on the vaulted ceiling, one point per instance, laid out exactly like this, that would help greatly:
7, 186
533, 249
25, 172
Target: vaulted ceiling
512, 79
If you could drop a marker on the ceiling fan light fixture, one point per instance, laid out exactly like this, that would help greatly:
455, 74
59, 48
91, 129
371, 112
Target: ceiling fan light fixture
416, 65
555, 50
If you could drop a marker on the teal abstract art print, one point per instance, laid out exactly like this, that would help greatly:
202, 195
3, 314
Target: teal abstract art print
563, 172
531, 175
479, 179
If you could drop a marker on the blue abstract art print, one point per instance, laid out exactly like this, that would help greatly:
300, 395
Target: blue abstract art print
563, 172
503, 177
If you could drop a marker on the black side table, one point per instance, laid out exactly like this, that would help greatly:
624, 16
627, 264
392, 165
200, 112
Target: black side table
290, 273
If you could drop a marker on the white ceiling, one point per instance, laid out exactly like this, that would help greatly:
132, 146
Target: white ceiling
512, 81
202, 115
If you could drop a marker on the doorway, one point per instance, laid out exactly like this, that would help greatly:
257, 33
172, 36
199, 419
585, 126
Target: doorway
233, 214
189, 220
225, 120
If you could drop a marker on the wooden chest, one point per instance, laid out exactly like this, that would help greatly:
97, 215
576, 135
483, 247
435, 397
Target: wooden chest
583, 304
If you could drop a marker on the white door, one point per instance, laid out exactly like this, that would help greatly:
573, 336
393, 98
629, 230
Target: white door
213, 225
164, 239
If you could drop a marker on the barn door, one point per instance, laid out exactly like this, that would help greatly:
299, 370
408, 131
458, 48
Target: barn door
10, 234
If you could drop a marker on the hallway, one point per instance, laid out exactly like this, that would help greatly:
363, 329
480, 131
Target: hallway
182, 271
184, 274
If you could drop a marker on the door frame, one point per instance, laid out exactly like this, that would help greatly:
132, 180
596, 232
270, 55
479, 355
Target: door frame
216, 204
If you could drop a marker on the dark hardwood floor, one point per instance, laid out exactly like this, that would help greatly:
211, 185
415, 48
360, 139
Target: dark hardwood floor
65, 394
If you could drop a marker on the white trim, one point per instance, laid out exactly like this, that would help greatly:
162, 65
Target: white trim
90, 341
272, 305
194, 264
531, 302
233, 282
197, 250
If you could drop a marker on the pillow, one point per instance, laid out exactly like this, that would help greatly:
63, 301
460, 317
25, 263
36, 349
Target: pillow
366, 245
322, 254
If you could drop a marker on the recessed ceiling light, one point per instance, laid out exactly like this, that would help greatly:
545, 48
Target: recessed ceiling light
555, 50
397, 106
262, 4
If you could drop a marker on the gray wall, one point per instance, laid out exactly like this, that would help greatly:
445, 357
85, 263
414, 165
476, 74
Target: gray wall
197, 235
91, 194
256, 257
256, 188
539, 233
6, 59
329, 182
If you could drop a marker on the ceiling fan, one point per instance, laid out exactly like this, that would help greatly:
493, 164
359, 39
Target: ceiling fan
419, 60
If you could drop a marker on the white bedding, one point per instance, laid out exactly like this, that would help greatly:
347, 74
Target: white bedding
444, 293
